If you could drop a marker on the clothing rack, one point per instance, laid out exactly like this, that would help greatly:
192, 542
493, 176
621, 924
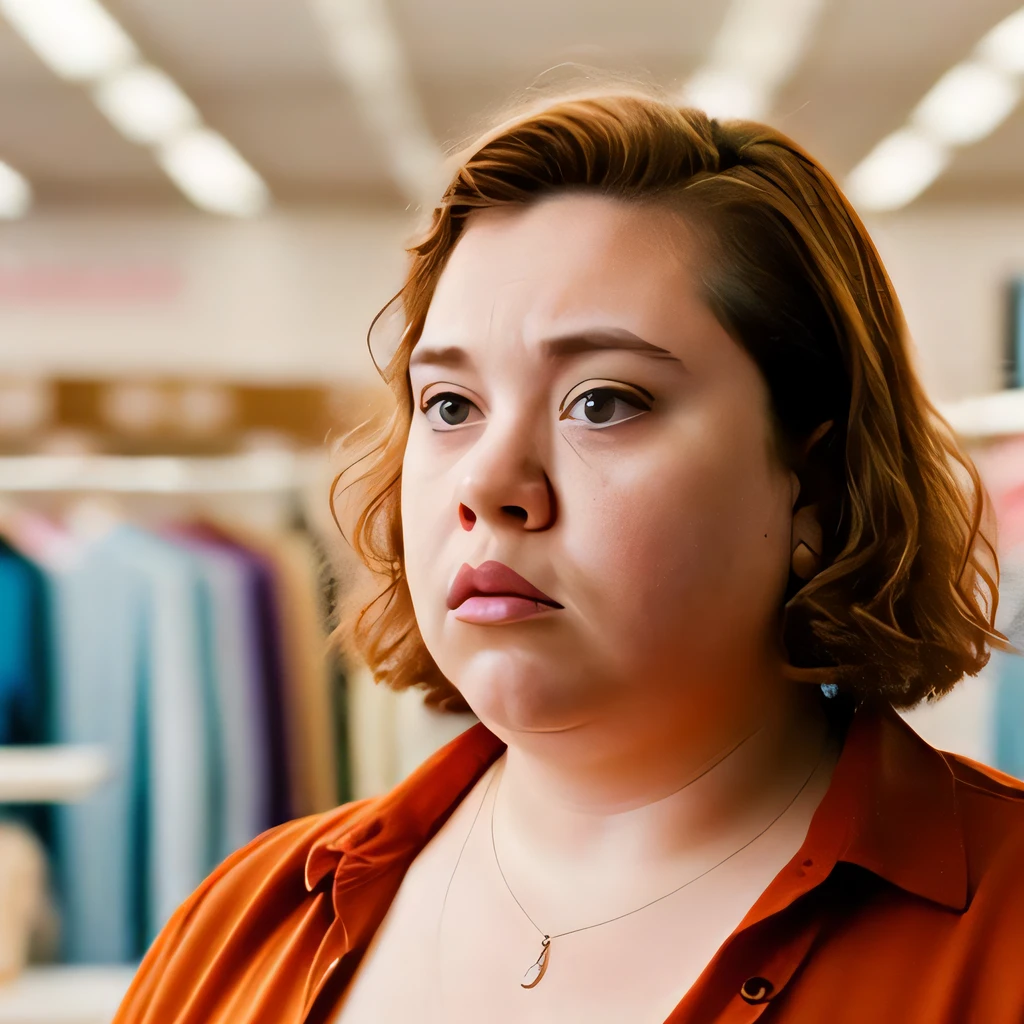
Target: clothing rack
249, 473
65, 773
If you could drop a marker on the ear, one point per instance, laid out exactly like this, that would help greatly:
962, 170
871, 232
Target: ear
805, 449
819, 432
806, 542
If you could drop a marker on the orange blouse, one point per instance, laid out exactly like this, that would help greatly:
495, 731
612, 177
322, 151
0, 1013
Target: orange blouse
904, 904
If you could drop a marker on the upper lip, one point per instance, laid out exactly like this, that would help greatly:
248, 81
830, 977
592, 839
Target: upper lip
493, 578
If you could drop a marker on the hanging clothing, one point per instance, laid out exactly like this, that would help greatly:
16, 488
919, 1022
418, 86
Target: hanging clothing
25, 672
196, 658
264, 602
232, 629
99, 643
305, 645
183, 782
1009, 714
306, 704
1008, 704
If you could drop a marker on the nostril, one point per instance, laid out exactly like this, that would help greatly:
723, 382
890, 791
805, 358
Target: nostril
516, 510
467, 517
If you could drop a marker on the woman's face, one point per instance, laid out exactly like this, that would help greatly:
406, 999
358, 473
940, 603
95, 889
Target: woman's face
580, 416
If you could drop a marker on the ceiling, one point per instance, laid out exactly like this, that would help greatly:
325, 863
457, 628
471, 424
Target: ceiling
261, 73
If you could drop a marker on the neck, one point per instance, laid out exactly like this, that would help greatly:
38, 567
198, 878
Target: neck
662, 796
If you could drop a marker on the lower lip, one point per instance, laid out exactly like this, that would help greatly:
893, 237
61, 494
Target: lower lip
499, 608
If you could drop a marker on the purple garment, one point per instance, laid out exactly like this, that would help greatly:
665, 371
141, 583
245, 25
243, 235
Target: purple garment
269, 656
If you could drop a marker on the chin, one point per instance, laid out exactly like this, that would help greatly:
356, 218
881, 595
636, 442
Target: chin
513, 691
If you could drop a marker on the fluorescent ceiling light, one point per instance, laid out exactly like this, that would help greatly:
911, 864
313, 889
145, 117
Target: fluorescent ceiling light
210, 171
77, 39
723, 94
896, 171
367, 54
1003, 46
757, 48
15, 193
145, 105
80, 41
967, 103
765, 39
362, 41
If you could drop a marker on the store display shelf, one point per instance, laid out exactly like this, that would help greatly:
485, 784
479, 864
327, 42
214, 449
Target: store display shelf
64, 995
999, 414
51, 774
247, 473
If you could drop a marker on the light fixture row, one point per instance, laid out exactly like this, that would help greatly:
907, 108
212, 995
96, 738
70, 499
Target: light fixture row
15, 193
82, 43
964, 106
757, 48
367, 56
754, 53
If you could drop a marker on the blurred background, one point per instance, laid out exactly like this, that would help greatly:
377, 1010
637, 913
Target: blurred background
202, 207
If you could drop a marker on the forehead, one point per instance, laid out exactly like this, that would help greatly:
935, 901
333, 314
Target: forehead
517, 272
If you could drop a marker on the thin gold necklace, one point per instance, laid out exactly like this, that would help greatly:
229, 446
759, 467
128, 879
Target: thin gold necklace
536, 970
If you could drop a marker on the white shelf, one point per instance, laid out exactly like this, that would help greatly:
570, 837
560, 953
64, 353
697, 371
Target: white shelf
64, 995
51, 774
248, 473
1000, 414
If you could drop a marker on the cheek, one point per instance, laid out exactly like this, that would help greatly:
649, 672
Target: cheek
686, 543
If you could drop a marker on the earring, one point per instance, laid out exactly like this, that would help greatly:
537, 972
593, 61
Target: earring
806, 558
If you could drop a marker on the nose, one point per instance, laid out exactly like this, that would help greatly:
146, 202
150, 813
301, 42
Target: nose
506, 485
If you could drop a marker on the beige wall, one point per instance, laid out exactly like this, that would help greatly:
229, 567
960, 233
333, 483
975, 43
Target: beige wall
950, 269
291, 296
285, 297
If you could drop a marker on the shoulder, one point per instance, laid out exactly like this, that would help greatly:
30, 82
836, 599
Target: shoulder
988, 941
254, 907
990, 806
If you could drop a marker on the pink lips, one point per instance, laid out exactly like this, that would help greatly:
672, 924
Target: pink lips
493, 593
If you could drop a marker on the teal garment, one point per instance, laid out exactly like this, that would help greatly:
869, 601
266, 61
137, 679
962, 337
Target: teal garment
24, 682
1009, 713
1008, 710
24, 672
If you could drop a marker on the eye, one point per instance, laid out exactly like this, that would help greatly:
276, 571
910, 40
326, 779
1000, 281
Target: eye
447, 409
603, 407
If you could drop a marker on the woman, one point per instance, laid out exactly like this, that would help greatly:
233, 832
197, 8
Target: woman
664, 504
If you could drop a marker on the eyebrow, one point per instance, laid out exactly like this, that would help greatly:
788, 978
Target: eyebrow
591, 339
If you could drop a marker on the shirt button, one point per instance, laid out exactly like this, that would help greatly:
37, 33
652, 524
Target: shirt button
756, 990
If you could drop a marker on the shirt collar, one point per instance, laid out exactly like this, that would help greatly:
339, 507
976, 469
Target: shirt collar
398, 824
891, 807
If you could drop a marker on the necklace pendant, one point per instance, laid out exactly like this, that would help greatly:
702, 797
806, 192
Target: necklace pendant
532, 977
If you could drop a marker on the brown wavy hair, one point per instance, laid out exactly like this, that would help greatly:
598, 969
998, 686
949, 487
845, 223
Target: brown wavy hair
906, 603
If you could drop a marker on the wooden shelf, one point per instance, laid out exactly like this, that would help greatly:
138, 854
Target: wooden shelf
51, 774
64, 995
